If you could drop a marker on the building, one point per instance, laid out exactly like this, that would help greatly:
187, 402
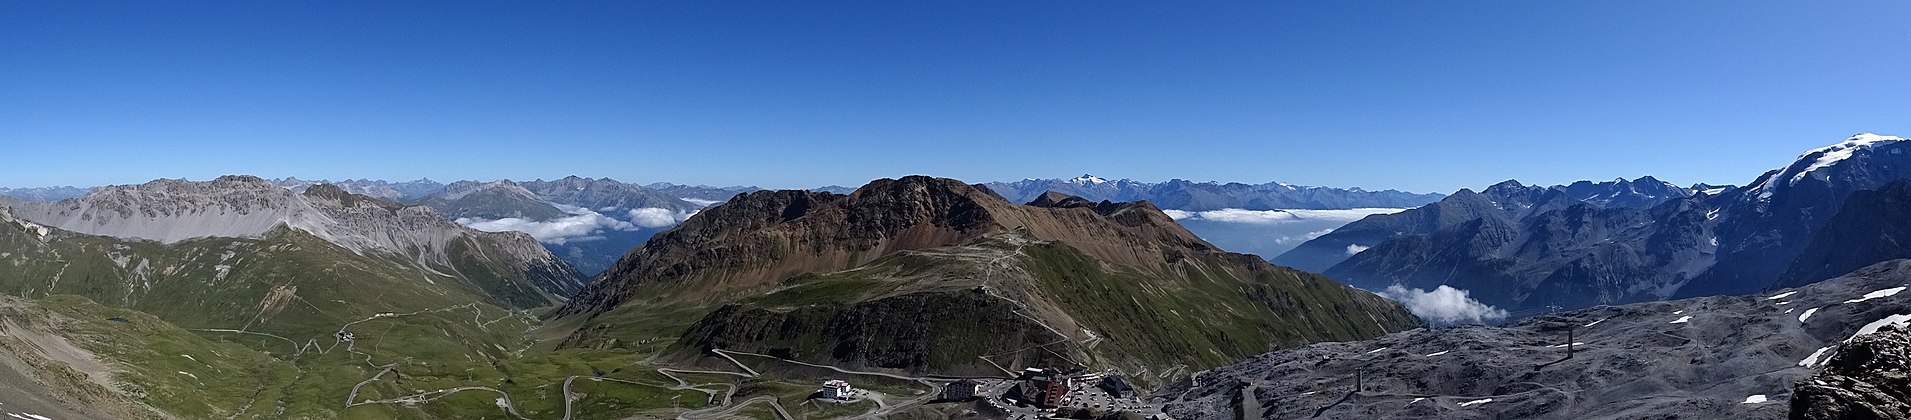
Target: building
1053, 397
962, 390
837, 389
1116, 387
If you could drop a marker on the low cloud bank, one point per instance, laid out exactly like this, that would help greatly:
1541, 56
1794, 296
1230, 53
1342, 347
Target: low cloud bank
652, 217
582, 225
1444, 305
1356, 248
1268, 217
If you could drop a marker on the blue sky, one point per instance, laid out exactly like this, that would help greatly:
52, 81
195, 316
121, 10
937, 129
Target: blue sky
1416, 95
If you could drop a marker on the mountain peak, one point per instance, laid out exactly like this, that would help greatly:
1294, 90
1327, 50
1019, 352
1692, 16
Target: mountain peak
1088, 179
1052, 199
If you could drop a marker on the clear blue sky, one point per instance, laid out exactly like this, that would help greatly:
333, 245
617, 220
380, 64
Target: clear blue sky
1417, 95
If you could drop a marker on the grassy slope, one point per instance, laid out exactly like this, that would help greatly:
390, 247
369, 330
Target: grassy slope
301, 289
1203, 316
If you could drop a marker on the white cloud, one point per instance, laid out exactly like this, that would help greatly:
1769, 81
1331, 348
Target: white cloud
1268, 217
652, 217
1303, 238
582, 225
1444, 305
1356, 249
555, 231
699, 201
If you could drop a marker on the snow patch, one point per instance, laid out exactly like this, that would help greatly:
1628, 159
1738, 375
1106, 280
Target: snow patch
1476, 402
1815, 357
1594, 323
1782, 295
1561, 346
1807, 315
1088, 179
1833, 154
1442, 352
1681, 320
1877, 294
1755, 399
1377, 350
1899, 320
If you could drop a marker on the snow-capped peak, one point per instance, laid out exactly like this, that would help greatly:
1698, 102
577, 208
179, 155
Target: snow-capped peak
1833, 154
1088, 179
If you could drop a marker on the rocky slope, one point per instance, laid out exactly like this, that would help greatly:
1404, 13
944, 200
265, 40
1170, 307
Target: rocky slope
1198, 196
928, 275
1710, 357
1869, 378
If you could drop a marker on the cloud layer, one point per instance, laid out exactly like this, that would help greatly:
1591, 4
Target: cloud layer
582, 225
1444, 305
652, 217
1268, 217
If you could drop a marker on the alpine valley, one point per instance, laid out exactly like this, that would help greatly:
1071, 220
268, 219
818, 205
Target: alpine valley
935, 298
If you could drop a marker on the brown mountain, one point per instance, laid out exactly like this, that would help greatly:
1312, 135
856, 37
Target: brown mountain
930, 274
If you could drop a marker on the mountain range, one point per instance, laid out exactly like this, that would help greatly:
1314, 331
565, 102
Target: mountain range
43, 193
1186, 195
1522, 247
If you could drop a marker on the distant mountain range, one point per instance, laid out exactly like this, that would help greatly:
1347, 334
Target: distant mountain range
1521, 247
1200, 196
43, 193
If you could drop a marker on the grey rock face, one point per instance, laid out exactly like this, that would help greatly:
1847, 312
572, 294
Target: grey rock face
1870, 378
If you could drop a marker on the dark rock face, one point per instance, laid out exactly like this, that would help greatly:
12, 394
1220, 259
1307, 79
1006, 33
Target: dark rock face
1869, 378
1870, 227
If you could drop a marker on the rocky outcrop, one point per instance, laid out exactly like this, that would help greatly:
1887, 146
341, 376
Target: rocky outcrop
1869, 378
